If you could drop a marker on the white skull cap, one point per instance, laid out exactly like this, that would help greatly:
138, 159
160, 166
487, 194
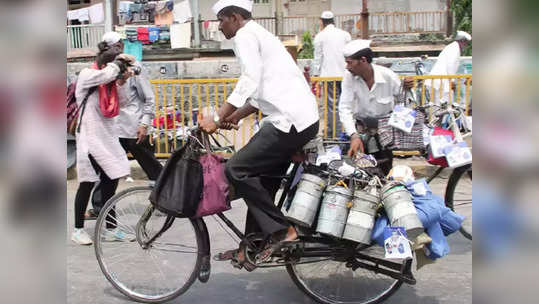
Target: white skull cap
461, 35
245, 4
355, 46
327, 15
111, 38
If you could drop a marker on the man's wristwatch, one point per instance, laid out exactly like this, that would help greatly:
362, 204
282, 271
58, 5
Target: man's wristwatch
216, 119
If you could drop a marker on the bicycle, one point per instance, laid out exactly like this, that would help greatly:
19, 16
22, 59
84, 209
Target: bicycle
164, 255
460, 179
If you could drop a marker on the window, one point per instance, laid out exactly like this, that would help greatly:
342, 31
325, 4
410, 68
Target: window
261, 1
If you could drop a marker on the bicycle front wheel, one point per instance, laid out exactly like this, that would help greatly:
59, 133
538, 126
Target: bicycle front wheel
458, 197
151, 273
331, 282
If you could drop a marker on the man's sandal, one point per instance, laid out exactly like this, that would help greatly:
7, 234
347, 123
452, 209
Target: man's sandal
243, 263
271, 248
232, 256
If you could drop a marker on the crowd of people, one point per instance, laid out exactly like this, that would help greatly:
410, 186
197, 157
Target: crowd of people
117, 115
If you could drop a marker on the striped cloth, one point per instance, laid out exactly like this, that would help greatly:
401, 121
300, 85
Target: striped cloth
395, 139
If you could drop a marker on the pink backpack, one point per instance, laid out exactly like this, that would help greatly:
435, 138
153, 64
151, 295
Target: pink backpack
73, 110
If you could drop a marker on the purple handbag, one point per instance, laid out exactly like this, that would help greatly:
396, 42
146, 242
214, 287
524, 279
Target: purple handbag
215, 190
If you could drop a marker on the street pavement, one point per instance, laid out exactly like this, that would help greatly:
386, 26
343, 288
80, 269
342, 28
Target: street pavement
449, 280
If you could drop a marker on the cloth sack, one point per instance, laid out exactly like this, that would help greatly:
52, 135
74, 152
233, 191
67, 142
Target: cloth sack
395, 139
215, 191
178, 188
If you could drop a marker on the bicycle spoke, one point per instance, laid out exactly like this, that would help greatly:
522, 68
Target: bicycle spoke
158, 273
332, 281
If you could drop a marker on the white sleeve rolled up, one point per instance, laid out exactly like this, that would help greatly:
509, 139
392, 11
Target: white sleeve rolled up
346, 105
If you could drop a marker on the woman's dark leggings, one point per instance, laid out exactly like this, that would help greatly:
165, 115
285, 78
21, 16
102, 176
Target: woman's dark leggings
108, 187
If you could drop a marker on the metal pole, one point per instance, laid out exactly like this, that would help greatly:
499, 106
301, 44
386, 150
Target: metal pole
108, 15
115, 18
278, 17
364, 21
196, 21
449, 15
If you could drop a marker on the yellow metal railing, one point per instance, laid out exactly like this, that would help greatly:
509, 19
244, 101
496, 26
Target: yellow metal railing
432, 86
179, 101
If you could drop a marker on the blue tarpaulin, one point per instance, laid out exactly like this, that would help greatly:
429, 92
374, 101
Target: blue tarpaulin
438, 220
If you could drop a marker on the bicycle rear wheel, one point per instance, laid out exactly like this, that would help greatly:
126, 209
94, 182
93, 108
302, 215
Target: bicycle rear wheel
160, 272
330, 282
458, 197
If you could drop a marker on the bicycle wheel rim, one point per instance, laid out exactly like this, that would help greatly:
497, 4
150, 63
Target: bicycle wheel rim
337, 284
159, 273
459, 198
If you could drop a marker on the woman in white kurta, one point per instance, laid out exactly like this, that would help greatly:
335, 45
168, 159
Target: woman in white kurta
100, 157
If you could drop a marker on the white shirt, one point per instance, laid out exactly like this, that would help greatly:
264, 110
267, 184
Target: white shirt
137, 102
357, 99
270, 76
447, 64
328, 52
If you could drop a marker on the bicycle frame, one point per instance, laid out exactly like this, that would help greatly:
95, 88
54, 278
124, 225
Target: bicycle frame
336, 249
333, 249
457, 134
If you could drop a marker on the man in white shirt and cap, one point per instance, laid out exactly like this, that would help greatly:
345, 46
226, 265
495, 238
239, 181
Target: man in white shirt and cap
272, 83
329, 62
447, 64
368, 93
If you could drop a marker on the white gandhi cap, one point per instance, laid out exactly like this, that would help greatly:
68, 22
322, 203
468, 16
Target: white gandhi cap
461, 35
327, 15
245, 4
355, 46
111, 38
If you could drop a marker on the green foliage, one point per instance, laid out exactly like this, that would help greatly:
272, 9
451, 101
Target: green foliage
431, 36
463, 19
307, 51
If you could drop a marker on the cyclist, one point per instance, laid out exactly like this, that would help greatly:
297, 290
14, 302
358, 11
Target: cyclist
329, 62
368, 92
271, 82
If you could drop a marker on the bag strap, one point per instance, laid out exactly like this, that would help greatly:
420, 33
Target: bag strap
83, 104
206, 142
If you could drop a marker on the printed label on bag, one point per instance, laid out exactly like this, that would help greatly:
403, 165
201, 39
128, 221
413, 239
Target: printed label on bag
396, 244
458, 155
438, 143
402, 118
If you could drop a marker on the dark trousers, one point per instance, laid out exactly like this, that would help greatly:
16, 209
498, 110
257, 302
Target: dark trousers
268, 152
108, 188
334, 88
144, 155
